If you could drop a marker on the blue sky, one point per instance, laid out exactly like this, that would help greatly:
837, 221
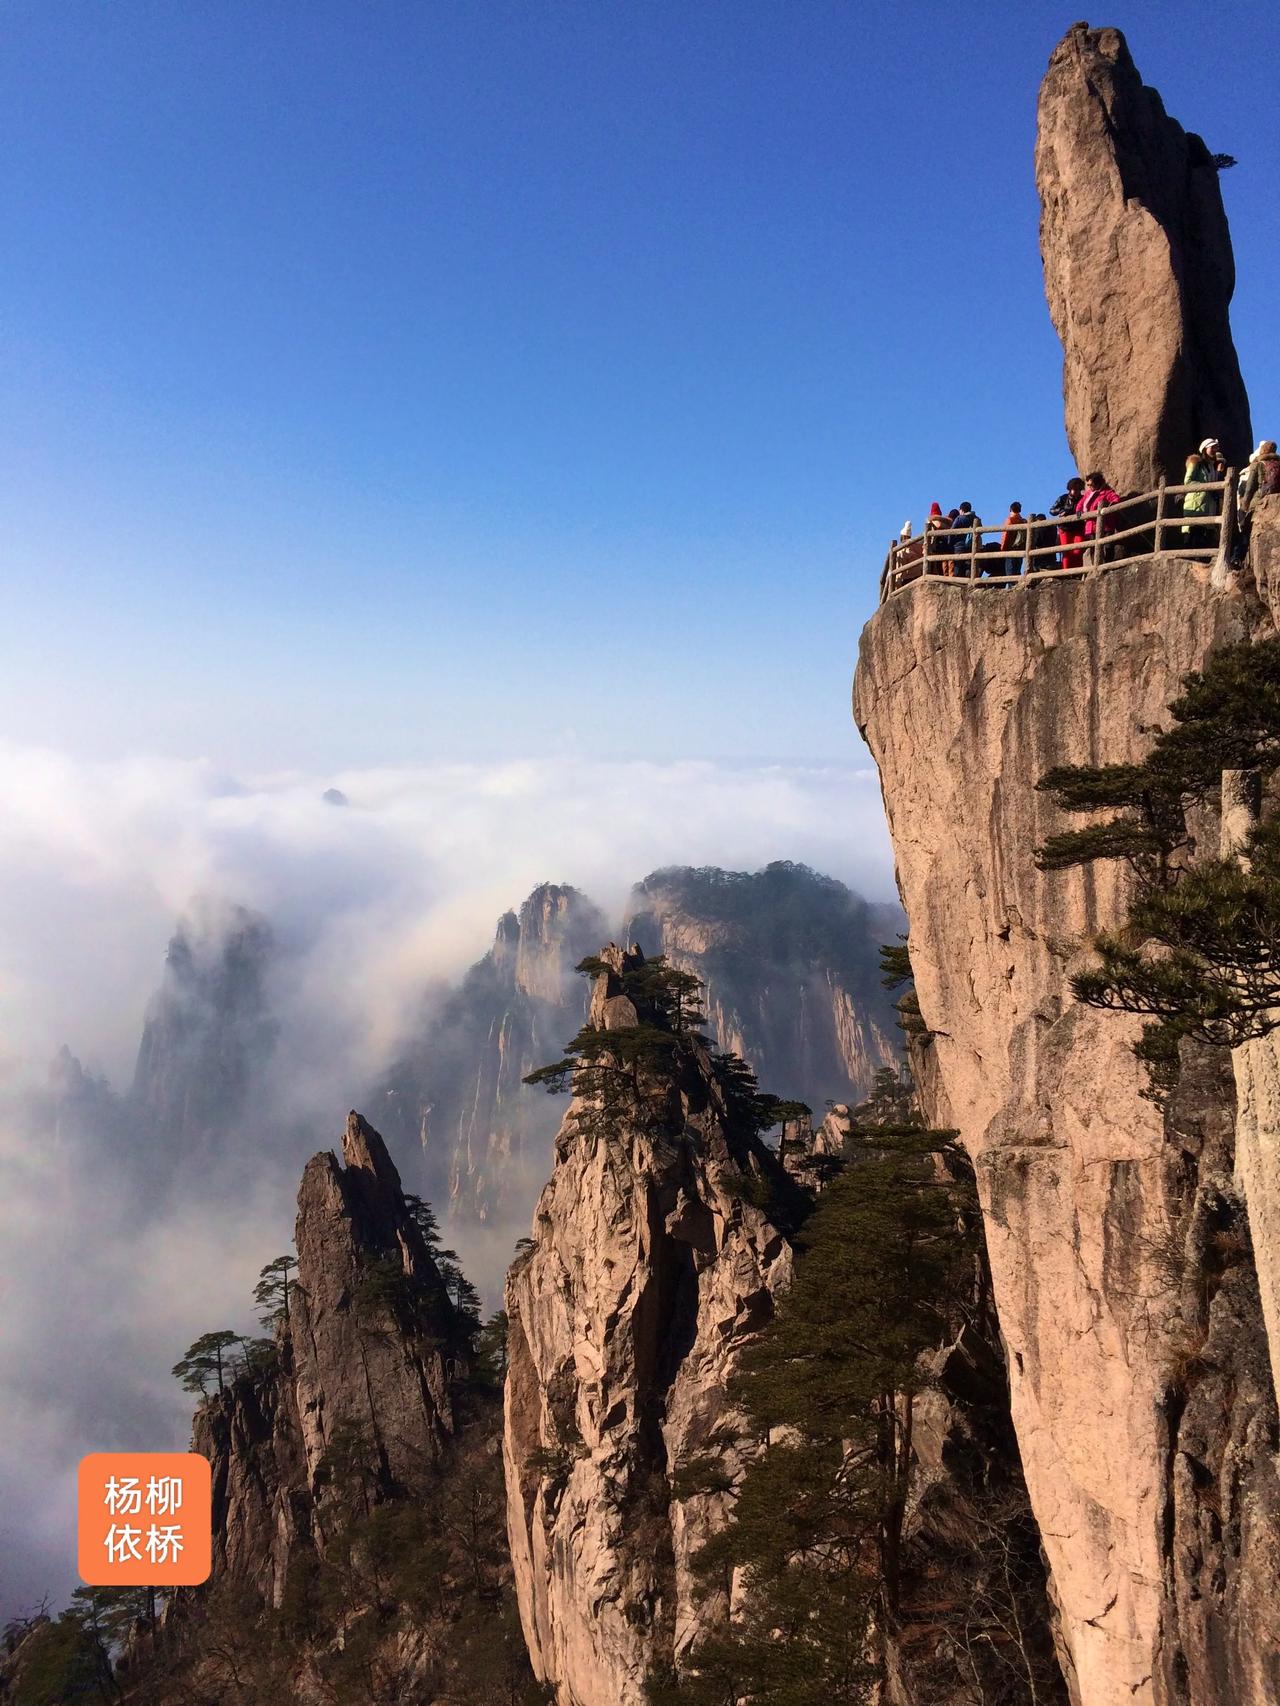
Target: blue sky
398, 381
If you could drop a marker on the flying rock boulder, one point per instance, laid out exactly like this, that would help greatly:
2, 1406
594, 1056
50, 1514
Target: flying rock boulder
1138, 269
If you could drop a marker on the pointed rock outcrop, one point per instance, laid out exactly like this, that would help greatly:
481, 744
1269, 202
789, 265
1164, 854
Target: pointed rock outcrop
648, 1271
357, 1486
208, 1037
361, 1262
364, 1360
1138, 269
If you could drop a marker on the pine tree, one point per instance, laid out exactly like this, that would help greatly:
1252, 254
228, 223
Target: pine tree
885, 1271
271, 1293
623, 1074
491, 1350
206, 1361
1199, 953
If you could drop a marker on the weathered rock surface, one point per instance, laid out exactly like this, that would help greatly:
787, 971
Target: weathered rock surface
1257, 1078
1138, 269
966, 700
647, 1272
1220, 1635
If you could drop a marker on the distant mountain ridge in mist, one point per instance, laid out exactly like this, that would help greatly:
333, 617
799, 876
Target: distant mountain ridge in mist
207, 1043
791, 963
209, 1032
456, 1093
789, 958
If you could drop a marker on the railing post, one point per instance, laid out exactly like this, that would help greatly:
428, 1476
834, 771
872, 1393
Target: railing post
1159, 515
1226, 532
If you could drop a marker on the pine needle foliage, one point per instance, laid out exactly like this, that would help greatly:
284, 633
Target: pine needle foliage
626, 1074
1150, 829
897, 973
1199, 953
885, 1272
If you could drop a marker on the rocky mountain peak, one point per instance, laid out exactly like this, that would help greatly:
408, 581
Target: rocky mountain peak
557, 925
364, 1150
647, 1273
1138, 269
364, 1361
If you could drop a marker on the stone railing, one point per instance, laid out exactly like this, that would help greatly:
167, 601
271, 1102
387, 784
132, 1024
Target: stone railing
1133, 530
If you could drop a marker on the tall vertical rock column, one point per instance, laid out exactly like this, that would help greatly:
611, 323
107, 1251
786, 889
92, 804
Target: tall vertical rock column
1138, 269
646, 1273
966, 701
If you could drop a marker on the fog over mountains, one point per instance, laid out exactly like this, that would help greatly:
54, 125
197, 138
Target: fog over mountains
789, 959
140, 1202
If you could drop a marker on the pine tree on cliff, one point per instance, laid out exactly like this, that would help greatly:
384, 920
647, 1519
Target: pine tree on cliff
885, 1272
271, 1294
624, 1074
1199, 953
207, 1362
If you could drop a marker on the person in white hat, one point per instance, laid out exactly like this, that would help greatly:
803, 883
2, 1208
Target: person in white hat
1204, 467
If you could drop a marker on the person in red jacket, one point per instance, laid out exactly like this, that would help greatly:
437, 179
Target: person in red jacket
1098, 496
1070, 530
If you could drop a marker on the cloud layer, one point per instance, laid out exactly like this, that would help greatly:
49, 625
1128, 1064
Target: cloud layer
368, 900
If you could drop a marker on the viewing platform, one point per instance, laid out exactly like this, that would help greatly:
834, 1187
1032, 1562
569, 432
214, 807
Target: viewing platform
1152, 524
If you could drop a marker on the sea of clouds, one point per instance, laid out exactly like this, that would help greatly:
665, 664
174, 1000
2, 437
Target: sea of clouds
368, 900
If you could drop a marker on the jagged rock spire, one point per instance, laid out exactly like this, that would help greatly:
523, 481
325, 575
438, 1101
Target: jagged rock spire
1138, 269
646, 1275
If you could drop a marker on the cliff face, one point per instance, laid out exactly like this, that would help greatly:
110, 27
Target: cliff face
1089, 1201
1138, 269
646, 1273
458, 1091
790, 963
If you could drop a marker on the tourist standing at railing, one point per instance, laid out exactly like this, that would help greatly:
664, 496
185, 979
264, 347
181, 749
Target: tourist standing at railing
1098, 495
1070, 527
942, 550
1043, 535
935, 539
1262, 477
964, 539
1014, 538
1204, 467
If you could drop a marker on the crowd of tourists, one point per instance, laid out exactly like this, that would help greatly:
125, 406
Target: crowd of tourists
1076, 529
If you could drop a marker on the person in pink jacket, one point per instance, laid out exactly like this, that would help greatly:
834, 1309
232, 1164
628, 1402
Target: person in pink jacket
1098, 496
